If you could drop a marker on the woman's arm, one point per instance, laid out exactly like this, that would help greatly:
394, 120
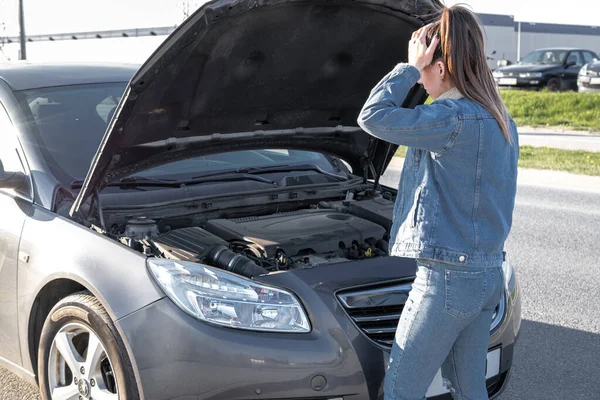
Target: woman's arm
427, 127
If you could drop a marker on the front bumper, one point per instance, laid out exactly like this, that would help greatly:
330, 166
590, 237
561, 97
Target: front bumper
588, 83
521, 83
180, 357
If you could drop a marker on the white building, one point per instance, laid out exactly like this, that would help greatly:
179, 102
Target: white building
507, 36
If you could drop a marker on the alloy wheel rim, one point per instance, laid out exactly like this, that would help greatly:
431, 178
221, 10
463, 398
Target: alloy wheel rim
79, 367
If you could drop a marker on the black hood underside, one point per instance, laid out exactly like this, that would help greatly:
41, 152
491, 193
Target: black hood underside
260, 74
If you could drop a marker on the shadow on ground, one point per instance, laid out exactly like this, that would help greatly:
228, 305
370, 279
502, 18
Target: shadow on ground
555, 363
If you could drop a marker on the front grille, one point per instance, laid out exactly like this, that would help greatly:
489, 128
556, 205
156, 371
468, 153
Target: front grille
378, 323
376, 310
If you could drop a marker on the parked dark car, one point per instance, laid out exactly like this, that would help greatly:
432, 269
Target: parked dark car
211, 226
553, 68
589, 77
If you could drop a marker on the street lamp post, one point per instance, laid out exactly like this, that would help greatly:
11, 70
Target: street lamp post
23, 55
519, 43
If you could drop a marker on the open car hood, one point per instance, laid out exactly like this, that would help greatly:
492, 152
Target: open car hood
242, 74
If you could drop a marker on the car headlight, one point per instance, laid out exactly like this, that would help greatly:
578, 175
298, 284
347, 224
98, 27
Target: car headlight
497, 74
510, 279
223, 298
531, 75
583, 70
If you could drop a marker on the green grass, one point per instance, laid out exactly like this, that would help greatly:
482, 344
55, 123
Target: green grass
401, 152
575, 161
578, 111
570, 109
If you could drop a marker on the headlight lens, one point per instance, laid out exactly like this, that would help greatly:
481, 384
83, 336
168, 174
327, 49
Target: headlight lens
497, 74
531, 75
583, 70
222, 298
510, 279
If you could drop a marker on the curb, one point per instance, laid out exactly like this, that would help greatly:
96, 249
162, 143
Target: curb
558, 180
561, 130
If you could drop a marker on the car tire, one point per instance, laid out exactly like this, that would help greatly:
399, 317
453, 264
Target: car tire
554, 84
75, 325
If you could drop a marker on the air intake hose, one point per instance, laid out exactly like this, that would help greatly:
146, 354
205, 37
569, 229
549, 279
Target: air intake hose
220, 256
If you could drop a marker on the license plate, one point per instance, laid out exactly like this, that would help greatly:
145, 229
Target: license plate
507, 81
437, 387
595, 81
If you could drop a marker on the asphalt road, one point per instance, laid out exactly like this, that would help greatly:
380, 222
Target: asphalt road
538, 137
554, 246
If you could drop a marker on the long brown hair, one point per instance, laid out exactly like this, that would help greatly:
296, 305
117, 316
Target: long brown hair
461, 49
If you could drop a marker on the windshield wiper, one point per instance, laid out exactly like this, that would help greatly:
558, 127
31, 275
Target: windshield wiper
138, 181
277, 168
237, 174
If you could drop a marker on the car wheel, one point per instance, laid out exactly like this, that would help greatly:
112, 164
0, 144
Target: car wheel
81, 354
554, 84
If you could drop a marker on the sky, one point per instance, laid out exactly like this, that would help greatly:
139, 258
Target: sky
61, 16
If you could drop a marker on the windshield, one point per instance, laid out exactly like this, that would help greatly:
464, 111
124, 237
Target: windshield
238, 159
545, 57
69, 122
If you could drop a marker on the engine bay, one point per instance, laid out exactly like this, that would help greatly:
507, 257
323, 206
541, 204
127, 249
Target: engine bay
323, 233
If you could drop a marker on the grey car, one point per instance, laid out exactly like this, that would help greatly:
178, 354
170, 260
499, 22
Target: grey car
211, 225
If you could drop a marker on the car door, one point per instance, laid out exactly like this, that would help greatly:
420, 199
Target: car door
14, 206
571, 71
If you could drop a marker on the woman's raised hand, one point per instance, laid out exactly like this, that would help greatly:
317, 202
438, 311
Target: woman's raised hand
419, 54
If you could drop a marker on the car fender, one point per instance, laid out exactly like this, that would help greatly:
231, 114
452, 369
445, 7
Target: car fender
55, 248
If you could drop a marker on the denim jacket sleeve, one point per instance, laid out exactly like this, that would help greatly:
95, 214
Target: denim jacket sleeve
429, 127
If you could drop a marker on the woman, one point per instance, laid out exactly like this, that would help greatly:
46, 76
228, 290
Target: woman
454, 206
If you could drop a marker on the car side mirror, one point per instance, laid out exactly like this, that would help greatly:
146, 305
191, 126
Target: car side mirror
569, 64
11, 180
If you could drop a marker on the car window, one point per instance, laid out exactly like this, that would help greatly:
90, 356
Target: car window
588, 57
545, 57
8, 150
575, 57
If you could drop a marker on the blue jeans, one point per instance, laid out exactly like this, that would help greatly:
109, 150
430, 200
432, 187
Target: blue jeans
445, 323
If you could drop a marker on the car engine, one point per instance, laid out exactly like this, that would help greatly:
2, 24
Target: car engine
331, 232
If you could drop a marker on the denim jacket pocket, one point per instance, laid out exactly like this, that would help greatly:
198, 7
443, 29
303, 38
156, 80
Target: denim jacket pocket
465, 292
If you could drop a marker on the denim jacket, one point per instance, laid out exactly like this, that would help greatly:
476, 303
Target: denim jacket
458, 184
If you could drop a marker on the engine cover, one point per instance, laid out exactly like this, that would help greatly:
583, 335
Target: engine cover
298, 232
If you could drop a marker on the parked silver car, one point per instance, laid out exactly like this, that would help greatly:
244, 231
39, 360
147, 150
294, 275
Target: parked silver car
212, 226
589, 77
